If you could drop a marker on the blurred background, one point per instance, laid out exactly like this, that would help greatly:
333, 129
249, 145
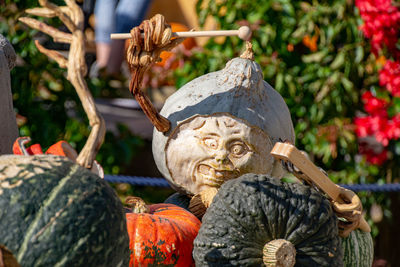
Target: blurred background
335, 62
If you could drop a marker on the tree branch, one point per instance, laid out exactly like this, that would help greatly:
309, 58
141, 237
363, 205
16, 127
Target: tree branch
60, 59
76, 66
58, 11
58, 36
76, 13
47, 13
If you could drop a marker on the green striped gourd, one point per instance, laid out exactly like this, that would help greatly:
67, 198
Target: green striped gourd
358, 249
56, 213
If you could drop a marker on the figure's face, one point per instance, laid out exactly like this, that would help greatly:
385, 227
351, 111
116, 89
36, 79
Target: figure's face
206, 151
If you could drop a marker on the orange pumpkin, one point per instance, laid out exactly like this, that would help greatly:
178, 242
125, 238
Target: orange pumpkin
160, 234
61, 148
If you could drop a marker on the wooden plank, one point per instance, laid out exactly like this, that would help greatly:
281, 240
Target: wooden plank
290, 153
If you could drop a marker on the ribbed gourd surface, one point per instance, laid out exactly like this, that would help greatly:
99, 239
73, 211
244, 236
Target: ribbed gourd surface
56, 213
358, 249
254, 209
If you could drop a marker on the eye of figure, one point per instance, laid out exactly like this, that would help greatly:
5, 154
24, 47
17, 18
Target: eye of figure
238, 149
210, 142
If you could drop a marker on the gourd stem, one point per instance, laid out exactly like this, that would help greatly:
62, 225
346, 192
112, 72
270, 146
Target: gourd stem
7, 259
137, 205
248, 53
279, 253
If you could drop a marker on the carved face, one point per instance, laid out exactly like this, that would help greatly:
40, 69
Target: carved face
205, 151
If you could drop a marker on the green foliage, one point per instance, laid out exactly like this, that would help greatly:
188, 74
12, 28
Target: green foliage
47, 104
321, 87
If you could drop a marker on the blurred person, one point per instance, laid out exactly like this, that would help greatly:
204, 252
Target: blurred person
113, 16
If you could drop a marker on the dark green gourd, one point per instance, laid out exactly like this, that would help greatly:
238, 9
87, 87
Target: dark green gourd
56, 213
179, 199
252, 210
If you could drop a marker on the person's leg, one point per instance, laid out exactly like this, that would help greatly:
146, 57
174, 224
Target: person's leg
129, 13
104, 25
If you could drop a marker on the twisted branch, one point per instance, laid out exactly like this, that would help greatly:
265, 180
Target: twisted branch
141, 54
46, 12
56, 56
72, 16
60, 14
58, 36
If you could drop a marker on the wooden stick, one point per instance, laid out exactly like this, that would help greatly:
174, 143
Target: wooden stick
243, 33
288, 152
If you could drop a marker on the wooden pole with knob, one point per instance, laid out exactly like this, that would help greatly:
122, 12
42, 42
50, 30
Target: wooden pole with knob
243, 33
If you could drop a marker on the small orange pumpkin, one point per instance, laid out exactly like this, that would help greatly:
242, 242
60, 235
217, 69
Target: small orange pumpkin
160, 234
61, 148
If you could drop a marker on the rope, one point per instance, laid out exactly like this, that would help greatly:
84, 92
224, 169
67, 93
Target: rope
161, 182
137, 180
373, 187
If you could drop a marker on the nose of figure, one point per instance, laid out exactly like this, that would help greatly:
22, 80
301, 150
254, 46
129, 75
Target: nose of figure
221, 156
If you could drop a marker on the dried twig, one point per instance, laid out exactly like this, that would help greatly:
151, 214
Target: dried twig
45, 12
58, 36
60, 59
67, 20
72, 17
144, 50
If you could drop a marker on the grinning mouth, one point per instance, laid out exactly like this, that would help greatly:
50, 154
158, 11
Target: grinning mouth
214, 177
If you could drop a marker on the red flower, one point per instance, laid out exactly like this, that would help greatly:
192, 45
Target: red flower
374, 153
382, 26
393, 128
389, 77
377, 159
374, 105
369, 125
381, 23
374, 125
363, 126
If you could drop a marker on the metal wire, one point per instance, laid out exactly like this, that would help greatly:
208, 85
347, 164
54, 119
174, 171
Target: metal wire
161, 182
